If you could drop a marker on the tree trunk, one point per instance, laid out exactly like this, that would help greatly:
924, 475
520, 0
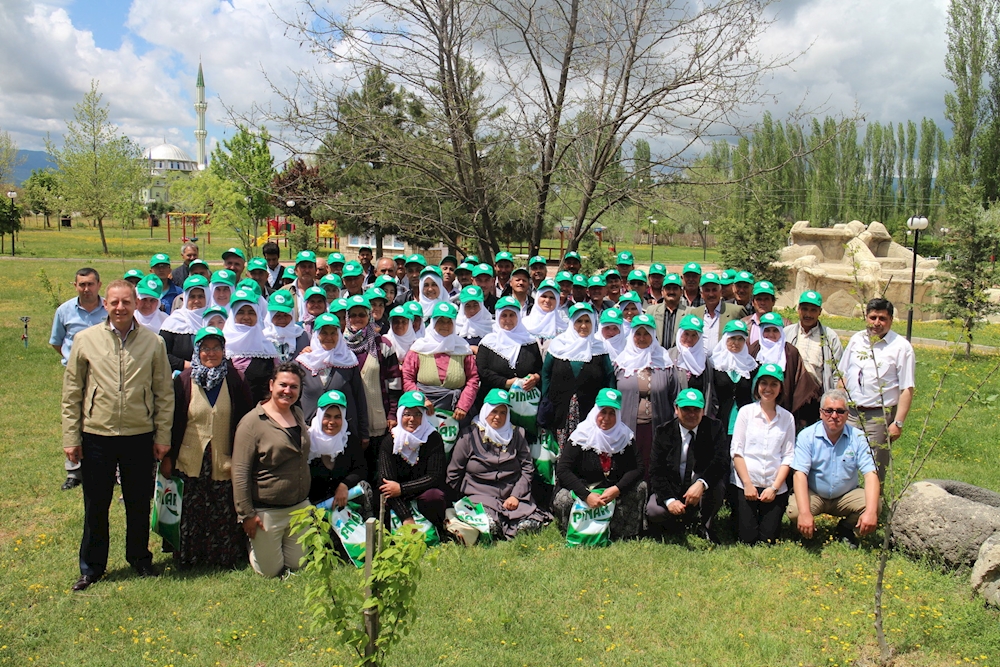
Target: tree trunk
104, 240
377, 231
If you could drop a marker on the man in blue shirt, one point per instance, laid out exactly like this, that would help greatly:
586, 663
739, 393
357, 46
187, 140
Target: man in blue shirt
159, 264
72, 317
828, 457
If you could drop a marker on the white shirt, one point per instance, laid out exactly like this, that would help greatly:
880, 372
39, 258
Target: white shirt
764, 445
687, 437
274, 274
889, 365
710, 335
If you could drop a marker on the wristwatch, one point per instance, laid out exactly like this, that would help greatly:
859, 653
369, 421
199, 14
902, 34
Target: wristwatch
898, 424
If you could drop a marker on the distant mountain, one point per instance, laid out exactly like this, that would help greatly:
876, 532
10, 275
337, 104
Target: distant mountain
32, 160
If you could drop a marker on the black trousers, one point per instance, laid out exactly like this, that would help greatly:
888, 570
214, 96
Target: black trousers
702, 516
757, 521
132, 455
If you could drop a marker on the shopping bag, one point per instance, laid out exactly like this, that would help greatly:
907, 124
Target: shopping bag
349, 527
475, 516
589, 527
544, 452
426, 527
524, 408
447, 427
166, 519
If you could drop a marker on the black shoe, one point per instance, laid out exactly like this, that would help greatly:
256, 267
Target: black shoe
85, 580
846, 535
709, 536
146, 570
71, 483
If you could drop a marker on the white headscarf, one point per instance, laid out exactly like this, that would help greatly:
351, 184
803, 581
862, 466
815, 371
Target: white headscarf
184, 321
320, 442
691, 359
571, 346
244, 341
588, 435
210, 295
477, 326
616, 344
546, 325
318, 358
407, 444
401, 344
426, 303
772, 352
154, 321
507, 344
501, 436
634, 359
724, 360
286, 335
434, 343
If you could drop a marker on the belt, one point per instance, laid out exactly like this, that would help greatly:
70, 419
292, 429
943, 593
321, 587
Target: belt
888, 407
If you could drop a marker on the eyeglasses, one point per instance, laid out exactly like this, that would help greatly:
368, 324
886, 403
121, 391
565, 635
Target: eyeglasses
834, 411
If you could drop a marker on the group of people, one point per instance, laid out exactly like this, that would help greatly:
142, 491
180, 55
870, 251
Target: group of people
267, 388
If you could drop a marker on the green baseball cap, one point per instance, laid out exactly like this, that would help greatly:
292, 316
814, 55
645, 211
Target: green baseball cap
625, 257
257, 264
234, 251
332, 279
564, 277
726, 278
637, 274
630, 296
470, 293
643, 320
508, 302
692, 267
205, 332
597, 281
200, 262
399, 258
465, 266
133, 273
763, 287
326, 320
358, 300
611, 274
305, 256
416, 258
212, 311
572, 254
579, 280
280, 302
690, 398
375, 293
537, 259
445, 309
497, 397
412, 399
710, 279
315, 290
503, 256
289, 273
771, 370
692, 323
195, 281
242, 296
482, 269
224, 277
335, 258
472, 259
159, 258
743, 277
611, 316
737, 327
672, 279
811, 297
548, 284
338, 305
415, 309
521, 269
332, 397
401, 311
353, 269
436, 270
771, 320
657, 270
609, 398
150, 286
578, 308
250, 285
383, 280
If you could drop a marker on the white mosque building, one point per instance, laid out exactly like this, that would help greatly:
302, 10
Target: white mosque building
167, 159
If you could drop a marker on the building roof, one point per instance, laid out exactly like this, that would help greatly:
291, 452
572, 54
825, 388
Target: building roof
167, 151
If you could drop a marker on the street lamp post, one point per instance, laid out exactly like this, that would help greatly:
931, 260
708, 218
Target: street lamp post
704, 242
916, 223
652, 236
13, 220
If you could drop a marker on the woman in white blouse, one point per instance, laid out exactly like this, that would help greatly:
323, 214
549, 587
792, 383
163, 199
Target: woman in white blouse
762, 448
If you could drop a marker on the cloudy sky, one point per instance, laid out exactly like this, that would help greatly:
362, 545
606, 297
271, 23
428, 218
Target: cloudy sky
885, 58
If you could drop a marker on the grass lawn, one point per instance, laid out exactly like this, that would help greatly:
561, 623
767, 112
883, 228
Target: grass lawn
529, 602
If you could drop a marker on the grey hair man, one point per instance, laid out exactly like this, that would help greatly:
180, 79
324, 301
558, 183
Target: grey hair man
189, 253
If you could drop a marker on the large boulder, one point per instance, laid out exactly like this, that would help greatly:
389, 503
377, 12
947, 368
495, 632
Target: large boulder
986, 572
945, 521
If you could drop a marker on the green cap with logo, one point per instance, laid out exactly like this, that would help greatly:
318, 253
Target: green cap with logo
450, 259
537, 259
726, 277
250, 285
625, 257
234, 251
415, 309
470, 293
335, 258
401, 311
416, 258
412, 399
657, 270
242, 296
609, 398
339, 305
638, 275
692, 323
736, 327
445, 309
690, 398
482, 270
332, 397
771, 370
384, 280
205, 332
159, 258
611, 316
224, 277
497, 397
771, 320
472, 259
630, 296
465, 266
399, 258
326, 320
288, 273
212, 311
763, 287
305, 256
150, 286
644, 320
508, 302
373, 293
280, 302
436, 270
356, 300
743, 277
195, 281
133, 273
672, 279
332, 279
710, 278
564, 277
353, 269
812, 298
579, 280
315, 290
572, 254
548, 284
503, 256
257, 264
579, 308
597, 281
692, 267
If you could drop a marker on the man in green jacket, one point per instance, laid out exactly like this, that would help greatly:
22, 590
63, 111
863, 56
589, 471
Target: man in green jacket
117, 411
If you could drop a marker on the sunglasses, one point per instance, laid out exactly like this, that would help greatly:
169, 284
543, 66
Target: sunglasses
834, 411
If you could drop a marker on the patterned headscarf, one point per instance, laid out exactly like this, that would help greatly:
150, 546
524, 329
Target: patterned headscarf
203, 376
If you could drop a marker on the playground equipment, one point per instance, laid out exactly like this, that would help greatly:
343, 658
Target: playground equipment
194, 218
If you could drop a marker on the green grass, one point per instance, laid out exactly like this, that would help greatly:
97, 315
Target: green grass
529, 602
983, 334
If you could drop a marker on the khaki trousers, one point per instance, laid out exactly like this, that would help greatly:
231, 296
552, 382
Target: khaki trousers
850, 506
876, 428
274, 548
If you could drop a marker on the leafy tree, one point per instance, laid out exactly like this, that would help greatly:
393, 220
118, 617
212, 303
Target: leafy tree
207, 192
10, 222
9, 159
302, 184
245, 161
99, 169
754, 242
41, 193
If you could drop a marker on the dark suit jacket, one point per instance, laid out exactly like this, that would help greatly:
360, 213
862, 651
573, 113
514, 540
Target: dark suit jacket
708, 459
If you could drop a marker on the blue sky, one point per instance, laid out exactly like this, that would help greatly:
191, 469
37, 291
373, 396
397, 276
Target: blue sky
885, 58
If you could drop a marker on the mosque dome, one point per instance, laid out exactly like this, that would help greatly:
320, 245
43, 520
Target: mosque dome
169, 157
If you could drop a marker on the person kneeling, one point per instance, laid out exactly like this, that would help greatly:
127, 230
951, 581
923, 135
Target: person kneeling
688, 464
491, 464
828, 456
601, 454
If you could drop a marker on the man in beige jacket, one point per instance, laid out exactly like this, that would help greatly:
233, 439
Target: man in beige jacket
117, 410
